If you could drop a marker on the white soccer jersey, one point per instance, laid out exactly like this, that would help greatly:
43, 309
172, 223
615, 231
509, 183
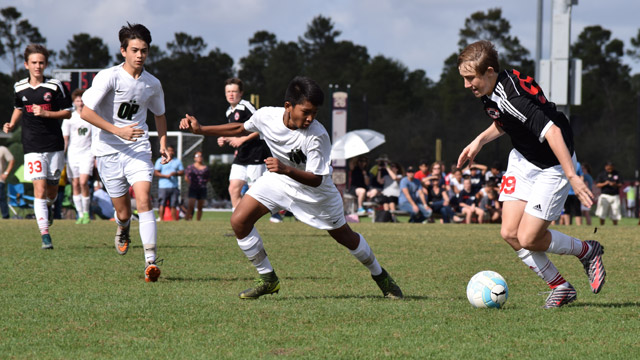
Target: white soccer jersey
306, 149
79, 133
122, 100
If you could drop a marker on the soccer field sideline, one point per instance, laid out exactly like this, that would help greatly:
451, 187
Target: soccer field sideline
83, 300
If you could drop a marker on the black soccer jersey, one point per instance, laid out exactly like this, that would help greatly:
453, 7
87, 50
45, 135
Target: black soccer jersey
40, 134
252, 152
518, 106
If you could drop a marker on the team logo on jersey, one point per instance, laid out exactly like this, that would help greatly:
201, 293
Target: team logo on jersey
493, 113
297, 156
237, 116
47, 96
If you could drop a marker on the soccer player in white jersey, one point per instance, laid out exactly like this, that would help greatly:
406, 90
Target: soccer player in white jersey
542, 167
77, 143
42, 103
298, 180
117, 104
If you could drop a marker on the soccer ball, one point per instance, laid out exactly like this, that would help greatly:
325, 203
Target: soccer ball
487, 289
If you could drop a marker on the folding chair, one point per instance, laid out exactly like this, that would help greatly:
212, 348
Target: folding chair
17, 199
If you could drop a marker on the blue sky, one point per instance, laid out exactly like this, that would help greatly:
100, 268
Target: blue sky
418, 33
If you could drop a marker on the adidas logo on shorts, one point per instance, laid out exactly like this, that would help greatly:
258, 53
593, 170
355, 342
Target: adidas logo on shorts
537, 207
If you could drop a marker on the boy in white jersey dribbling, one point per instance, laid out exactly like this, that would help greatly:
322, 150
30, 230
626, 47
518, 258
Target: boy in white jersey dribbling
117, 104
77, 144
298, 180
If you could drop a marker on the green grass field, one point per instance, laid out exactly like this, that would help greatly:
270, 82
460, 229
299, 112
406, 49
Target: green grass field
83, 301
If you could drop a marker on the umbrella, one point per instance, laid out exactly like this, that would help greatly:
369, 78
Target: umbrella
355, 143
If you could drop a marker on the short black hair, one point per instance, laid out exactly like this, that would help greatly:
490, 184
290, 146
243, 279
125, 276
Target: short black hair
131, 32
303, 88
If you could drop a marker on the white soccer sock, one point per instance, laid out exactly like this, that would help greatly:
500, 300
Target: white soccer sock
563, 244
542, 266
122, 223
86, 204
365, 255
77, 202
253, 248
148, 234
42, 215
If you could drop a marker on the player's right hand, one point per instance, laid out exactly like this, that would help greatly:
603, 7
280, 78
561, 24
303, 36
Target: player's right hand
7, 128
190, 123
129, 132
221, 141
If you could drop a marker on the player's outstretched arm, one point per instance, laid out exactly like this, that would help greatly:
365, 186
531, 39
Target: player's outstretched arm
57, 115
470, 151
190, 123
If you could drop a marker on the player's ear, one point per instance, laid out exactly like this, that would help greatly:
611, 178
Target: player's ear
123, 51
287, 106
490, 71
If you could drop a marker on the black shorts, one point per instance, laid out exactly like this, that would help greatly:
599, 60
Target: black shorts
390, 199
572, 206
198, 194
170, 194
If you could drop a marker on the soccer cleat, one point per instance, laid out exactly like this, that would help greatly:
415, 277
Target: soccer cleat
593, 266
389, 288
86, 219
265, 284
122, 240
151, 272
79, 220
46, 242
275, 218
560, 296
362, 212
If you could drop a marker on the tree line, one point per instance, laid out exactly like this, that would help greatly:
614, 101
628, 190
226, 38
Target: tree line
411, 109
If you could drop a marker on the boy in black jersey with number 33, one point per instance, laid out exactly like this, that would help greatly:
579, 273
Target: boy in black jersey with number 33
42, 103
541, 169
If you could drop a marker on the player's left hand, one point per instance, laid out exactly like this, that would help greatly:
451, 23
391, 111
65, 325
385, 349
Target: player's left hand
38, 111
469, 153
274, 165
582, 191
166, 157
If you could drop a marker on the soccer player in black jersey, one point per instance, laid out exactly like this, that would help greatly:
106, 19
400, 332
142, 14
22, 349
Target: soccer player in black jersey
43, 103
542, 167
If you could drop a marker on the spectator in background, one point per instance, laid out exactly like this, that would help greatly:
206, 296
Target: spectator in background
411, 199
101, 205
494, 174
437, 198
168, 189
391, 187
467, 201
588, 180
437, 170
609, 182
359, 182
476, 174
489, 202
6, 165
423, 170
630, 192
455, 183
197, 175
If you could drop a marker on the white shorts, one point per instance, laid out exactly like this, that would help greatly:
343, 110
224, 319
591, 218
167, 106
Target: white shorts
78, 164
544, 190
319, 207
608, 206
121, 170
47, 165
247, 173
